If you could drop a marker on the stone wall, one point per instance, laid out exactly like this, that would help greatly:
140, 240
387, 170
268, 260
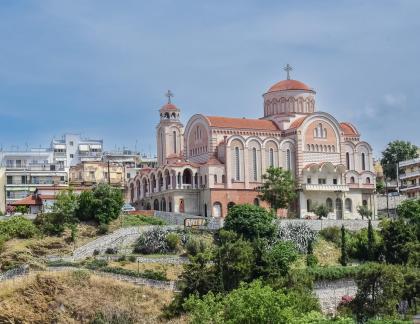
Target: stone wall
213, 223
330, 293
319, 224
393, 201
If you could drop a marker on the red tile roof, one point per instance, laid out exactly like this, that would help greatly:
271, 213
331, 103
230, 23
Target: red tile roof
289, 85
348, 129
297, 122
169, 106
32, 200
242, 123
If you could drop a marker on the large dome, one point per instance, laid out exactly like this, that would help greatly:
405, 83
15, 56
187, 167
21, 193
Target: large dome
285, 85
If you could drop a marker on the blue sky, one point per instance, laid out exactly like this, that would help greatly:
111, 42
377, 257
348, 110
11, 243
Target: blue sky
102, 67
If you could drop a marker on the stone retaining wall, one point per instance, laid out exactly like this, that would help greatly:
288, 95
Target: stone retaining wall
319, 224
330, 293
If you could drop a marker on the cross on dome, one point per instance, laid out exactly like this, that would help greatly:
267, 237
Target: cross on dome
288, 68
169, 94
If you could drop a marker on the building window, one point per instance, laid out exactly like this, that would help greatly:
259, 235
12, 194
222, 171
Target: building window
368, 180
347, 160
322, 181
348, 205
335, 181
174, 138
271, 157
223, 178
254, 163
237, 164
71, 156
308, 205
329, 204
215, 178
71, 143
308, 180
9, 180
288, 162
351, 179
363, 162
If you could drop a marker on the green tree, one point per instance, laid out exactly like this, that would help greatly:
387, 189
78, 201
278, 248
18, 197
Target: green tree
371, 242
396, 238
250, 221
234, 260
364, 211
278, 258
278, 188
379, 290
65, 206
311, 259
321, 211
344, 256
250, 303
410, 211
380, 186
102, 204
394, 153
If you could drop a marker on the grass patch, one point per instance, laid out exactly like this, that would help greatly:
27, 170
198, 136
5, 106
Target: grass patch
172, 271
327, 253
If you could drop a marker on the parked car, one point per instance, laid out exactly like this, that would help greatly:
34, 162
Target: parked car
127, 208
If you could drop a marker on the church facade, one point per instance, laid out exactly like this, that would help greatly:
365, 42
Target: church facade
215, 162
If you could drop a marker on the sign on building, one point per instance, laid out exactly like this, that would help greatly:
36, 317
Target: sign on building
194, 222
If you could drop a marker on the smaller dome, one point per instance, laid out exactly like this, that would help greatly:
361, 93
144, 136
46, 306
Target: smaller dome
285, 85
169, 106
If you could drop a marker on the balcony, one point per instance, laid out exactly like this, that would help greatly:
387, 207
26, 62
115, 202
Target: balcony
361, 185
410, 175
324, 187
35, 167
409, 162
410, 187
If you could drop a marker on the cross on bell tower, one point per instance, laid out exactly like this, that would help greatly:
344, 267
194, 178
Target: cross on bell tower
288, 68
169, 94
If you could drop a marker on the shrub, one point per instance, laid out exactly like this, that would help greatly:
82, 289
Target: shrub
3, 240
103, 229
50, 223
298, 233
96, 252
331, 273
172, 241
122, 258
18, 227
148, 274
250, 221
138, 220
111, 250
96, 264
195, 246
132, 258
21, 209
331, 234
152, 241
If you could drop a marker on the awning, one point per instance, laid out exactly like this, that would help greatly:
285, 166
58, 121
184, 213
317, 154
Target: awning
60, 146
83, 147
96, 146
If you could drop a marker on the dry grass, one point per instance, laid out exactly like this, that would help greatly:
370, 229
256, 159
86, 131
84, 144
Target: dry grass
173, 271
327, 253
79, 297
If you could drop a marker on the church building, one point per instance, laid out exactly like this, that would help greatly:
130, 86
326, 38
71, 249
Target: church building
214, 162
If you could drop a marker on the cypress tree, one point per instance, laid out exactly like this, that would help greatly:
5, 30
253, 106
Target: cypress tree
344, 257
370, 243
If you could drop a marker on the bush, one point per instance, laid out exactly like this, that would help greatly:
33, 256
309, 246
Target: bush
96, 252
103, 229
96, 264
299, 234
172, 241
139, 220
331, 273
132, 258
331, 234
21, 209
122, 258
50, 223
152, 241
18, 227
250, 221
3, 240
111, 250
195, 246
148, 274
358, 247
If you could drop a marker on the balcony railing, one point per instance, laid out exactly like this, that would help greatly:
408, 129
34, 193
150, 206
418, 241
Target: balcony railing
410, 174
409, 162
325, 187
410, 187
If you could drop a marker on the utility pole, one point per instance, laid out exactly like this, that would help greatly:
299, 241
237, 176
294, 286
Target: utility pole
386, 192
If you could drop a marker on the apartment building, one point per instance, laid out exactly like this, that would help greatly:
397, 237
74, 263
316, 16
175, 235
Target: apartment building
410, 178
24, 171
90, 173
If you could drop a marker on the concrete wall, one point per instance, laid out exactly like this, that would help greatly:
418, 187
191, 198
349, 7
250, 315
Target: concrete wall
317, 224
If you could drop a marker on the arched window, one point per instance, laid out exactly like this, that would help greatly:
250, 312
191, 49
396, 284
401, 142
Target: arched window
174, 140
223, 178
254, 163
347, 160
308, 147
308, 205
368, 180
363, 162
348, 205
237, 164
271, 157
215, 178
351, 179
333, 148
329, 204
217, 209
288, 160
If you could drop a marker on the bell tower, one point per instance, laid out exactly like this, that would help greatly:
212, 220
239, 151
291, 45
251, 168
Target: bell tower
169, 131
